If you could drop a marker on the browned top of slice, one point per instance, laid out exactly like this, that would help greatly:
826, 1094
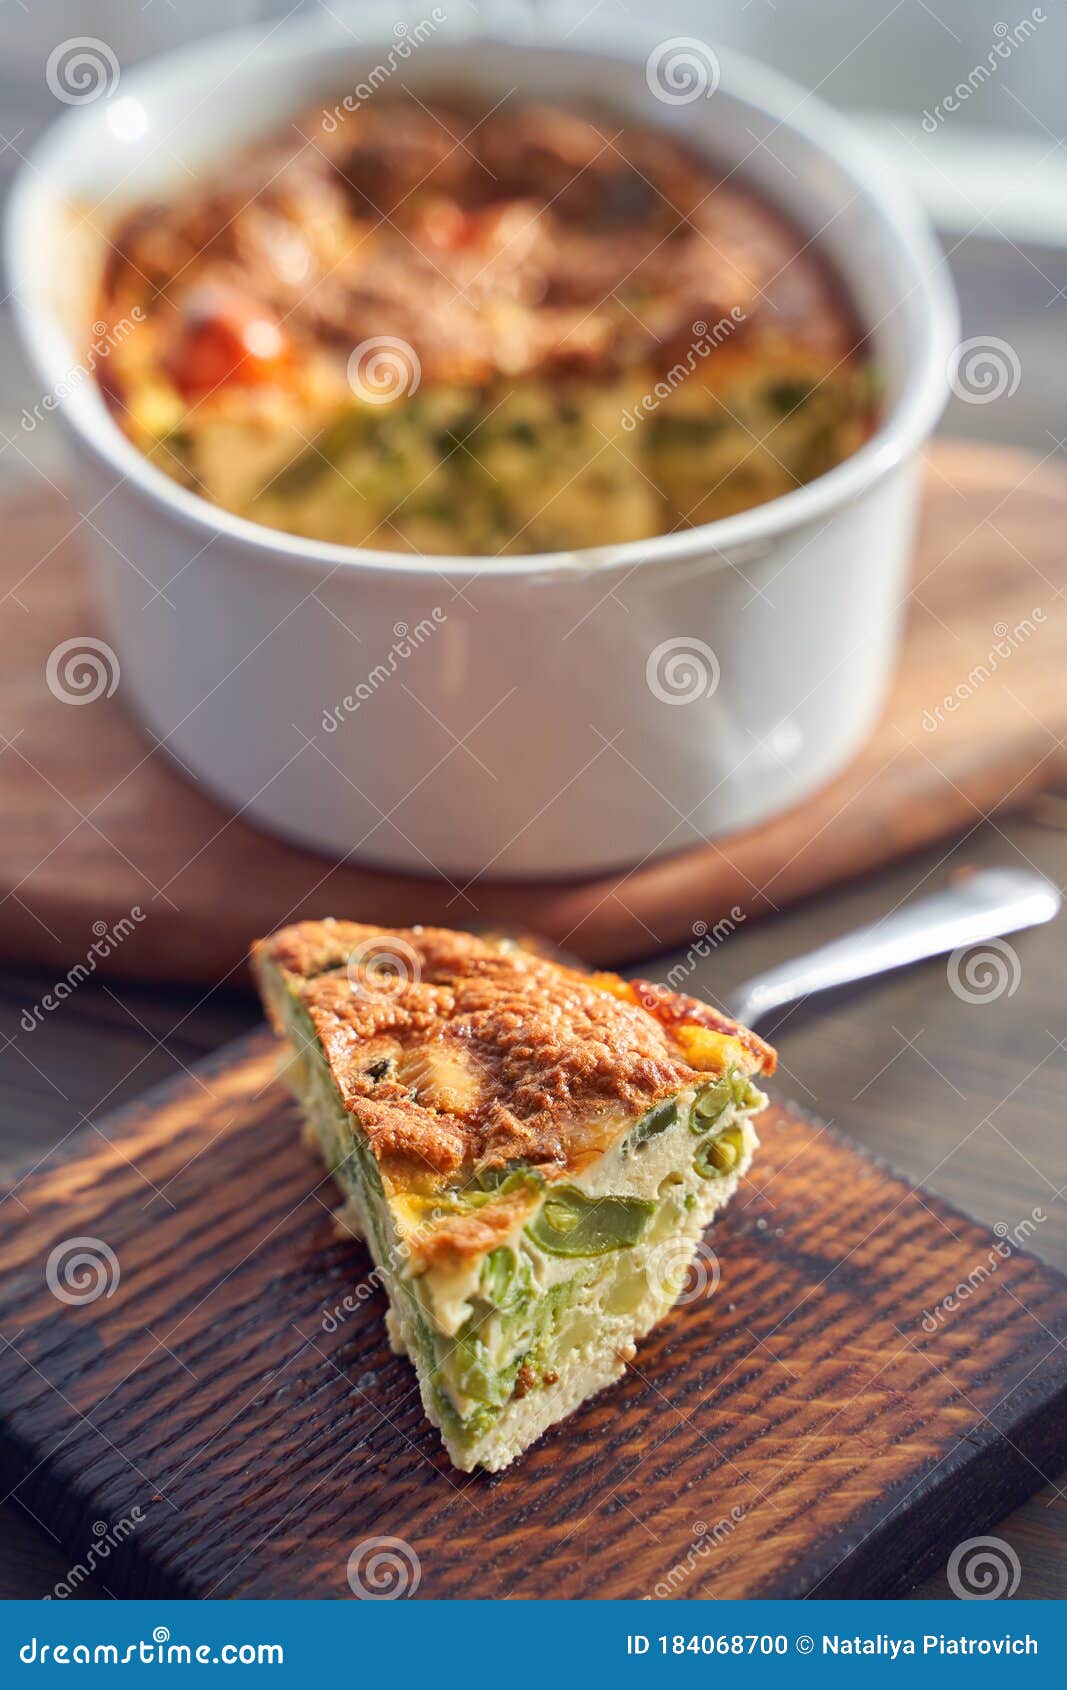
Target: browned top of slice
458, 1053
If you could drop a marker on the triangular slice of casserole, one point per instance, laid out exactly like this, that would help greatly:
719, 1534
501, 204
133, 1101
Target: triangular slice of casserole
530, 1153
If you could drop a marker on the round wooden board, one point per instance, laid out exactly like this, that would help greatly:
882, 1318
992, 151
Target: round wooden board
99, 821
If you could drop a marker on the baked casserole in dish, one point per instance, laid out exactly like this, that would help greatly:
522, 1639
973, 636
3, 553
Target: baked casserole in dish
427, 328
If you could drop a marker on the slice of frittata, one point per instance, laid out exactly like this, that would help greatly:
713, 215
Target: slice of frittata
530, 1153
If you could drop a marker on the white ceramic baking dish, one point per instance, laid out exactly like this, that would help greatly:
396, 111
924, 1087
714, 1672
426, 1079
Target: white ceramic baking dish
523, 716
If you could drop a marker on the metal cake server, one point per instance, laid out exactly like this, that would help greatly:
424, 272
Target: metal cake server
984, 905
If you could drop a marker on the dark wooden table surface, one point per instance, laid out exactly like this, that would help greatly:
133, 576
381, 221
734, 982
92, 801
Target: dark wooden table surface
965, 1097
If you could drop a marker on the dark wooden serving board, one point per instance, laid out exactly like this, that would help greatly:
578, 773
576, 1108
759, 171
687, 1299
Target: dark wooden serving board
97, 819
802, 1421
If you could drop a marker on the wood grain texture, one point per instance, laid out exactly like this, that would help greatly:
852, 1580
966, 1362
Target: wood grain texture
802, 1422
98, 819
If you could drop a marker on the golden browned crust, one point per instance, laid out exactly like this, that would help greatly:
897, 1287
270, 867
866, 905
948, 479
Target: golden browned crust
527, 239
676, 1009
436, 1236
458, 1053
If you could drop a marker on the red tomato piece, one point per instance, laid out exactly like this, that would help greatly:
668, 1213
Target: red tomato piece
226, 337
